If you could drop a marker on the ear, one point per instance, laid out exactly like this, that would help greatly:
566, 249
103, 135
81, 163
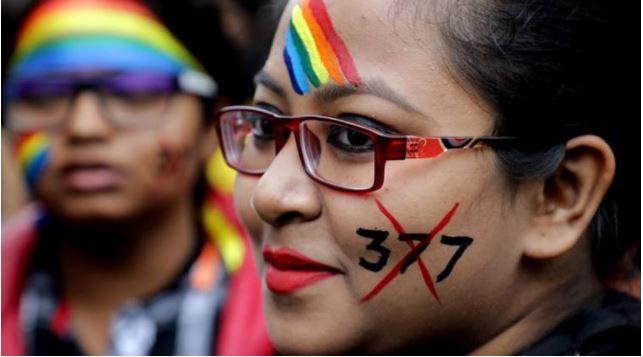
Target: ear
568, 200
208, 141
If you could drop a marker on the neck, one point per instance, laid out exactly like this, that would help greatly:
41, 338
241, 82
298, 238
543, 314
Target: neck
106, 265
531, 327
550, 304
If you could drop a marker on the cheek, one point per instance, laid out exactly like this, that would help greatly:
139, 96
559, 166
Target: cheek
458, 209
177, 143
173, 162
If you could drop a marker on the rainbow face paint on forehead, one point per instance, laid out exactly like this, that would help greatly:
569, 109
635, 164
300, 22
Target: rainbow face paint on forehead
314, 52
63, 36
34, 154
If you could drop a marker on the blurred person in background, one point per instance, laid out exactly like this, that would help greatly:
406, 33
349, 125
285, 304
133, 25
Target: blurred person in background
132, 247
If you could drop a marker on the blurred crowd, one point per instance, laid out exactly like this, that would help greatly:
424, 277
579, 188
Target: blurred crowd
116, 202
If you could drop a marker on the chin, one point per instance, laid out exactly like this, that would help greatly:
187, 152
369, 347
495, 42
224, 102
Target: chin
316, 328
331, 344
294, 344
92, 210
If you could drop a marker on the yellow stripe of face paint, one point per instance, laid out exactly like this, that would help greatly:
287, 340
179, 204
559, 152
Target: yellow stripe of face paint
31, 148
307, 37
61, 23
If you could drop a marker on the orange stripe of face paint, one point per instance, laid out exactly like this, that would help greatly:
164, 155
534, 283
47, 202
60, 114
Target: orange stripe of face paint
325, 51
318, 8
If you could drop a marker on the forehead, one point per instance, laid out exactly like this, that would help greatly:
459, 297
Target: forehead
371, 29
398, 42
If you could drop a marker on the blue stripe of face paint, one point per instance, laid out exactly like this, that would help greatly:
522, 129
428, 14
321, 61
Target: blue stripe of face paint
92, 53
297, 67
37, 167
304, 56
291, 73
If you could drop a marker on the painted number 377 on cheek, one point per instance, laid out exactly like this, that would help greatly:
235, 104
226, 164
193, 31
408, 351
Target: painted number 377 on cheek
378, 237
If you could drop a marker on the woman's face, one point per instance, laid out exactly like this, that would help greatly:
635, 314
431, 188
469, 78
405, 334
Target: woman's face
100, 172
452, 295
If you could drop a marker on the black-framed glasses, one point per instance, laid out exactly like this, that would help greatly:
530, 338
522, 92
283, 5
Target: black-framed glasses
127, 100
334, 152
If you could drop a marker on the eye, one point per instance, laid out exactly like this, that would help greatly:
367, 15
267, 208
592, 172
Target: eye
137, 98
349, 140
41, 100
262, 128
41, 95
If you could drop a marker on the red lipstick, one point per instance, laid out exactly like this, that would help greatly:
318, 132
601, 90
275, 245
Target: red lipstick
289, 270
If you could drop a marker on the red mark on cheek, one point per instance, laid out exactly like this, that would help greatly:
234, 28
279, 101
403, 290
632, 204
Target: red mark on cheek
400, 230
412, 255
171, 161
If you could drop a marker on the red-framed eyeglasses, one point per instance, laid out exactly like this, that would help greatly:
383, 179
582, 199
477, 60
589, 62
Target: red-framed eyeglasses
335, 152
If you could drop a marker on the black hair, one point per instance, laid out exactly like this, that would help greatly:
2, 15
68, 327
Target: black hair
551, 70
198, 28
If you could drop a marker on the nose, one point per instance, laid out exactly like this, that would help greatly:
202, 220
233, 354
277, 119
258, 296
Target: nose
285, 194
86, 122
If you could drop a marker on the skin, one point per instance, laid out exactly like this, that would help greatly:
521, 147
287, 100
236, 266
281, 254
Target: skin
135, 154
528, 240
14, 192
128, 241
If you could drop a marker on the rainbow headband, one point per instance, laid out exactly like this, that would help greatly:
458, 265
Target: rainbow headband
314, 51
95, 35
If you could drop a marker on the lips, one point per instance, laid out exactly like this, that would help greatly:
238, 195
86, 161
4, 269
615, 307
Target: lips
88, 178
289, 270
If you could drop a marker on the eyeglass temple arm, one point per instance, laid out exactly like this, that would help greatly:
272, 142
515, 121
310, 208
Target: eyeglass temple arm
414, 147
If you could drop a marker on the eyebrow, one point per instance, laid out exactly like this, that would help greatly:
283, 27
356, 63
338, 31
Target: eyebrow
265, 79
332, 92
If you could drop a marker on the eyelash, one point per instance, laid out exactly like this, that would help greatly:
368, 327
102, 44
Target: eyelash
367, 121
269, 107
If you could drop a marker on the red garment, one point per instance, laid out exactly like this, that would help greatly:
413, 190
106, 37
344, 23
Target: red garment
241, 331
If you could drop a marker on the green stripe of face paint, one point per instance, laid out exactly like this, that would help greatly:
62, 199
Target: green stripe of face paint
305, 58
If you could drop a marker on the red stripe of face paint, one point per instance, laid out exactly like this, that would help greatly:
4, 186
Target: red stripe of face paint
21, 140
326, 53
398, 227
398, 267
339, 47
426, 276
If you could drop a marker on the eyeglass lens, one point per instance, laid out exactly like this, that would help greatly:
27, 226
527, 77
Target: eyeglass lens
337, 153
127, 100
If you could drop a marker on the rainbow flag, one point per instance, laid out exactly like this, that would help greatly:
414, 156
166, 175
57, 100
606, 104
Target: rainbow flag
314, 52
218, 215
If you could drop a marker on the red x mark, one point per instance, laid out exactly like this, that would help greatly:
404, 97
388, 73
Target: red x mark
414, 250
